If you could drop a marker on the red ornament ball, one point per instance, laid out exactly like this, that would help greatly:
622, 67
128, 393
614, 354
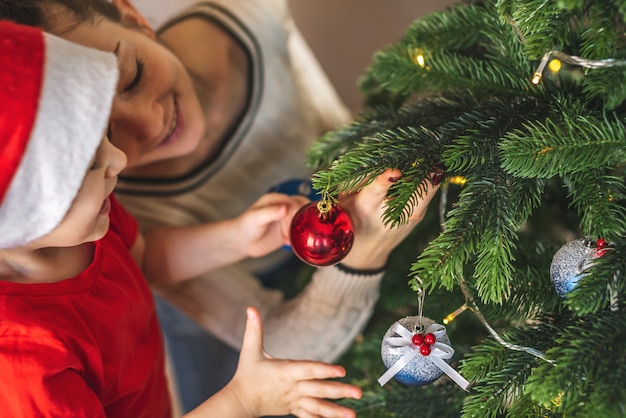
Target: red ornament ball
417, 339
321, 234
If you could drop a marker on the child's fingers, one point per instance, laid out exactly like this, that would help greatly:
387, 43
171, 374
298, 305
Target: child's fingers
270, 213
274, 207
329, 389
252, 345
280, 198
314, 407
308, 370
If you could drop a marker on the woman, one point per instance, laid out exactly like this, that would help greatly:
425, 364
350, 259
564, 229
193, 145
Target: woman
217, 109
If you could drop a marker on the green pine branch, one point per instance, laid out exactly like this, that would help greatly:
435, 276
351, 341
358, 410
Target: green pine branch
599, 198
568, 142
541, 164
472, 48
585, 377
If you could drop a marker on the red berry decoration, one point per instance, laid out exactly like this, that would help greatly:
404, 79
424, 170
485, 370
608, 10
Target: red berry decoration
321, 233
601, 247
425, 349
430, 339
424, 342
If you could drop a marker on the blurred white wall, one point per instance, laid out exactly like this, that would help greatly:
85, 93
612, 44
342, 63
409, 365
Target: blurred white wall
345, 33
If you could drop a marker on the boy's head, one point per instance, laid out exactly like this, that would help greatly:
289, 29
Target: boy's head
156, 115
55, 99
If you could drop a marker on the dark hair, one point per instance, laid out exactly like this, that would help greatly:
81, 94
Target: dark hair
37, 12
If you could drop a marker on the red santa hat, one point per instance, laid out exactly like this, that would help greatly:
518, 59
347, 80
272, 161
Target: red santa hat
55, 101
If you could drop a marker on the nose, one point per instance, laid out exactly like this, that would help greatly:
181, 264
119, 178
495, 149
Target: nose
116, 160
137, 120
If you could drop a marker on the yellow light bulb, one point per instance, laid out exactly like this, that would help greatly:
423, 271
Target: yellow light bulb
539, 73
554, 66
454, 314
418, 57
458, 180
558, 400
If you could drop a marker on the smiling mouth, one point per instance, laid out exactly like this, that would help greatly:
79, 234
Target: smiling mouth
174, 127
106, 206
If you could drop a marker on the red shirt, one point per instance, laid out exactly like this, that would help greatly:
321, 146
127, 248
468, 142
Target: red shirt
89, 346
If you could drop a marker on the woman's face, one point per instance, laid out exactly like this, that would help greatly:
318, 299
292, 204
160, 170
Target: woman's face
156, 114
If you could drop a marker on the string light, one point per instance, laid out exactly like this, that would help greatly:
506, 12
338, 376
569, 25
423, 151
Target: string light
559, 57
558, 400
539, 73
554, 66
587, 63
458, 180
450, 317
418, 57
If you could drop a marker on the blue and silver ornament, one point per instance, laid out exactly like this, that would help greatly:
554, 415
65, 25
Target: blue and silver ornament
571, 262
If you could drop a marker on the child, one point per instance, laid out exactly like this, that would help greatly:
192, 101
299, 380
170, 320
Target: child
78, 331
218, 111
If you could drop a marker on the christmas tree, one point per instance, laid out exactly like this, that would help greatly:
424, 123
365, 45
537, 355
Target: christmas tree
521, 103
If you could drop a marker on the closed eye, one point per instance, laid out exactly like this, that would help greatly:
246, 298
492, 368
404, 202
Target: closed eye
138, 75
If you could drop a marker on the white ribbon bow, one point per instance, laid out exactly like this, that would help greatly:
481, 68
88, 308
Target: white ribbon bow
404, 346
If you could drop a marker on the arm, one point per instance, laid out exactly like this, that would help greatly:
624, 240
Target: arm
172, 254
266, 386
322, 321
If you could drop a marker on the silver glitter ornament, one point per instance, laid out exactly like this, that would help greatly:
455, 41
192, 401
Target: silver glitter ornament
570, 263
420, 370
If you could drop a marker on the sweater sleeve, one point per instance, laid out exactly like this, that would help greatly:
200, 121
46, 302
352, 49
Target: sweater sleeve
322, 322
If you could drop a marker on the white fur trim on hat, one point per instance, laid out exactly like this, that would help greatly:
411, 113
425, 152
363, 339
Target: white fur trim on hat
74, 105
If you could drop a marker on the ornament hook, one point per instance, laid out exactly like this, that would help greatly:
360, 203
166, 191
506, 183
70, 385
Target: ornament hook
327, 201
420, 304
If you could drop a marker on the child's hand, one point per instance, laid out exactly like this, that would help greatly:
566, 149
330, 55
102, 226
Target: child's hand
266, 386
373, 241
264, 226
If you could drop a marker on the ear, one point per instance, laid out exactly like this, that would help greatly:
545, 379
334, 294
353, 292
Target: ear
131, 16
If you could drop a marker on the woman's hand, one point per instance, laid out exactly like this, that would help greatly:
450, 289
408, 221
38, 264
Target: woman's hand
373, 241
